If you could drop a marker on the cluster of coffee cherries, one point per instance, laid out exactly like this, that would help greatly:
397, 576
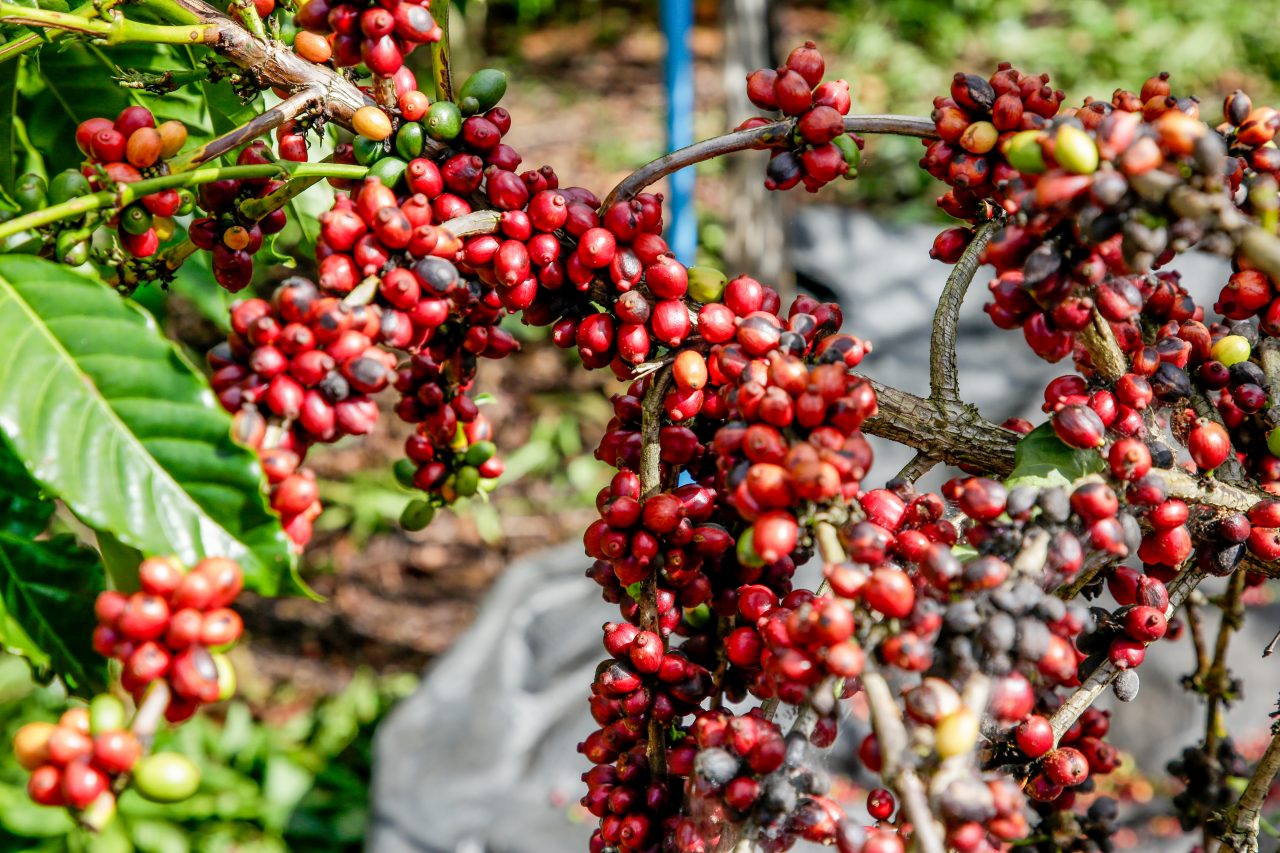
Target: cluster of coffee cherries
83, 760
126, 150
746, 770
231, 237
1078, 191
975, 122
820, 150
1207, 781
174, 628
446, 323
297, 370
378, 35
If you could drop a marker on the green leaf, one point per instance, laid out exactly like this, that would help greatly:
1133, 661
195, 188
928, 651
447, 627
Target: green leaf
226, 110
47, 586
1042, 460
108, 416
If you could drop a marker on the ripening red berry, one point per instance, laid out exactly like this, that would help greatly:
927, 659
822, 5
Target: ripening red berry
1034, 736
1066, 766
1129, 459
1079, 426
116, 751
880, 804
144, 617
1208, 444
890, 591
1145, 624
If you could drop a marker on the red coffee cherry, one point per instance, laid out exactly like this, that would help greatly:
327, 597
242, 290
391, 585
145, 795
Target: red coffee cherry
1066, 766
880, 804
1208, 444
1034, 736
144, 617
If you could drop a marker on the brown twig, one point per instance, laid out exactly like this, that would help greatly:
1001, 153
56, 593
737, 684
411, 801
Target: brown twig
301, 101
919, 465
1217, 680
1104, 351
944, 374
950, 432
650, 485
757, 137
1241, 834
273, 64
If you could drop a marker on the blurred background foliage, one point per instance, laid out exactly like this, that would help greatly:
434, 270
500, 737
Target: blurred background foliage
290, 776
288, 770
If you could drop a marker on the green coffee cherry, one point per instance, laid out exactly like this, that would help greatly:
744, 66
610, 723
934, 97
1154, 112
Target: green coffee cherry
72, 247
410, 139
367, 151
31, 192
106, 713
404, 469
706, 284
389, 170
67, 185
479, 453
852, 153
698, 616
187, 203
482, 91
166, 777
1231, 349
417, 514
1023, 152
747, 555
226, 676
466, 482
1075, 150
1273, 441
443, 121
135, 219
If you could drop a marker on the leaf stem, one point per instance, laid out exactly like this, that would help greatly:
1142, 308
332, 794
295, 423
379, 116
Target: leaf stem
126, 193
117, 30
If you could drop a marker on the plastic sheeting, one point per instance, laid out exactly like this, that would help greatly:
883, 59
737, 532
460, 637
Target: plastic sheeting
483, 758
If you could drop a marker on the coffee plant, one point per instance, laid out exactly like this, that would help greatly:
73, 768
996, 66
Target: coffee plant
976, 625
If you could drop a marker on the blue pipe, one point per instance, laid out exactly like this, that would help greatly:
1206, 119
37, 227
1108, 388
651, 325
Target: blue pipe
677, 23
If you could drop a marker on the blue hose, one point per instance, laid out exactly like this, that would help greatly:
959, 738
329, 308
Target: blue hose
677, 23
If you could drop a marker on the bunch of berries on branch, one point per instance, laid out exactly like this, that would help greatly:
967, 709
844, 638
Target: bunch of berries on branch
89, 755
131, 148
226, 232
174, 628
169, 638
378, 35
819, 150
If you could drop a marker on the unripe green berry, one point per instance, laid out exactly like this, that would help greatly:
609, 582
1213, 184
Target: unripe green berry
706, 284
106, 713
166, 777
1075, 150
1023, 152
1231, 349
